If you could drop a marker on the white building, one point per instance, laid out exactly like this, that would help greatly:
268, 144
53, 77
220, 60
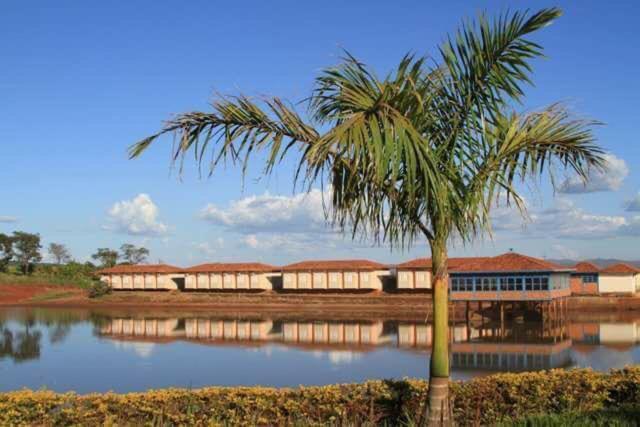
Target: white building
231, 276
350, 275
143, 277
619, 279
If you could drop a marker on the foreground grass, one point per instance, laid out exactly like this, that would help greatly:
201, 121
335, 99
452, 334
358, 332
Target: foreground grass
575, 397
624, 416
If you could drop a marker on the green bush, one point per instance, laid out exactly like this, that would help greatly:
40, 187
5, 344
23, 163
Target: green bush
71, 274
98, 288
544, 398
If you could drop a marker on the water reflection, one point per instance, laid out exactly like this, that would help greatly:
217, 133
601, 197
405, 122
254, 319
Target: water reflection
20, 344
134, 351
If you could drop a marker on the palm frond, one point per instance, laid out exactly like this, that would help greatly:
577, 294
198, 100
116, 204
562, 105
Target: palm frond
487, 64
236, 128
520, 147
423, 151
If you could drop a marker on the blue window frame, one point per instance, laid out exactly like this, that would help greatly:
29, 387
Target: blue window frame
498, 283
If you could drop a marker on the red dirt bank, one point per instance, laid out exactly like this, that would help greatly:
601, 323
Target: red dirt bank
376, 301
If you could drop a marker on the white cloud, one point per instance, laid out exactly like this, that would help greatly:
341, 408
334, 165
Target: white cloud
8, 219
138, 217
562, 251
206, 248
283, 223
609, 179
252, 241
633, 204
506, 217
295, 243
268, 213
564, 220
338, 357
141, 349
632, 227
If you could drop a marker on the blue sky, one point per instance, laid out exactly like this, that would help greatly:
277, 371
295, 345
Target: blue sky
80, 81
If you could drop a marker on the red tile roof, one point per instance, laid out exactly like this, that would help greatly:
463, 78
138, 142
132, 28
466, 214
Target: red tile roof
586, 267
509, 262
221, 267
621, 268
345, 264
140, 268
422, 263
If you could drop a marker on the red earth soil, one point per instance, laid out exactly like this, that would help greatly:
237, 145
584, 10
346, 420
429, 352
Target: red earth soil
15, 294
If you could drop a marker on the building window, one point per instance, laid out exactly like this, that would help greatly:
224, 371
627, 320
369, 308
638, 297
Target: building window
589, 278
497, 283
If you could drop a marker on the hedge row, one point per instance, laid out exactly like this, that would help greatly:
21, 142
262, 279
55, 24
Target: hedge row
487, 400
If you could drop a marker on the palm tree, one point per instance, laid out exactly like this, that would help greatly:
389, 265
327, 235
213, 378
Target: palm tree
424, 152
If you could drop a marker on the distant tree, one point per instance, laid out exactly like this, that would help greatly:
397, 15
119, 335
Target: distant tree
132, 254
60, 253
6, 251
106, 257
27, 249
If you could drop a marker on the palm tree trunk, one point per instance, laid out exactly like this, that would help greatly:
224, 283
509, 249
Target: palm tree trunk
439, 411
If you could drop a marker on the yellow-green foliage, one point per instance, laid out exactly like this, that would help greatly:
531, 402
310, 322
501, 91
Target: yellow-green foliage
479, 401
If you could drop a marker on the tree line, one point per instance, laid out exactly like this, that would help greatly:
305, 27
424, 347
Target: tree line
25, 251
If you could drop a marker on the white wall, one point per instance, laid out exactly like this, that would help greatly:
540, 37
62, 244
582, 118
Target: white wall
618, 333
349, 280
616, 283
405, 279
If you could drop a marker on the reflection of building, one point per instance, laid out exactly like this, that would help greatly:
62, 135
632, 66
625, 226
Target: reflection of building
619, 333
236, 276
414, 335
143, 277
333, 333
311, 334
620, 279
584, 281
510, 356
229, 329
587, 336
484, 346
143, 327
507, 277
334, 275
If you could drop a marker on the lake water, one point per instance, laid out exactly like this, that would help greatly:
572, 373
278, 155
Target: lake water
101, 350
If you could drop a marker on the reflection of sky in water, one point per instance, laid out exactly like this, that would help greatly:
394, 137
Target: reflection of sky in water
142, 349
603, 358
64, 350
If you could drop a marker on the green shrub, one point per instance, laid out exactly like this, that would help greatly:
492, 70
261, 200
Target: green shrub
544, 398
71, 274
98, 288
